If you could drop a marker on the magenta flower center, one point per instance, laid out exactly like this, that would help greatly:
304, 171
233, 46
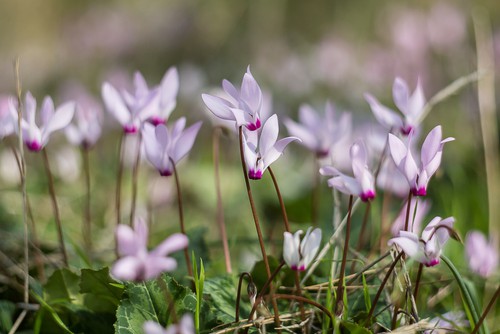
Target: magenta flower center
298, 268
432, 262
322, 153
368, 195
254, 126
165, 172
406, 129
156, 120
34, 146
255, 174
422, 191
129, 128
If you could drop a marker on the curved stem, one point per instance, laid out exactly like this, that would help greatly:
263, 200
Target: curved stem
307, 301
339, 309
238, 296
135, 176
87, 226
382, 285
256, 221
220, 208
181, 218
55, 207
486, 310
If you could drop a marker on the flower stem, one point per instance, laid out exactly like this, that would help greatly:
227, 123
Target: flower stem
339, 309
135, 175
382, 285
315, 194
87, 225
181, 218
238, 296
257, 225
362, 232
417, 282
119, 176
407, 218
220, 209
486, 311
55, 207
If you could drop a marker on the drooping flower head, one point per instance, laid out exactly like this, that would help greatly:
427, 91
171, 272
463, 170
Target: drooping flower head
261, 150
482, 256
426, 249
299, 254
165, 146
430, 159
51, 120
136, 263
411, 106
185, 326
319, 133
363, 182
242, 106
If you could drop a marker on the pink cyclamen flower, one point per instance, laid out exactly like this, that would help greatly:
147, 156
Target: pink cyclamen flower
242, 106
298, 255
136, 263
165, 100
423, 208
165, 146
411, 106
52, 120
185, 326
319, 133
7, 126
363, 182
482, 255
258, 156
426, 249
430, 159
131, 109
87, 128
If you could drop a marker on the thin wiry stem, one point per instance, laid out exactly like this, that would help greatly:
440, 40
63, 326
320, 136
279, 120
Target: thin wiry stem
407, 218
220, 208
119, 176
55, 207
362, 232
315, 193
87, 224
417, 282
181, 217
135, 176
256, 221
238, 296
339, 309
486, 311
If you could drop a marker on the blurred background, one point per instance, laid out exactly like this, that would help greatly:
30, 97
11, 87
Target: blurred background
300, 52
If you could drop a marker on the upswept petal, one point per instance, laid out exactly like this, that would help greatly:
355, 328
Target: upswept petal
398, 150
275, 152
269, 134
400, 93
308, 138
169, 88
127, 268
47, 111
114, 104
61, 118
431, 145
309, 117
126, 241
151, 146
185, 142
220, 107
177, 128
172, 244
345, 184
162, 135
140, 84
155, 265
291, 249
416, 104
250, 155
141, 233
385, 116
251, 92
310, 245
30, 108
231, 91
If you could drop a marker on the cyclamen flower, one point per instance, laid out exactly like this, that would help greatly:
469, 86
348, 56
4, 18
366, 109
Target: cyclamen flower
136, 263
242, 106
426, 249
87, 129
362, 184
298, 255
269, 149
430, 159
185, 326
36, 137
165, 100
318, 133
165, 146
423, 208
411, 107
7, 126
482, 255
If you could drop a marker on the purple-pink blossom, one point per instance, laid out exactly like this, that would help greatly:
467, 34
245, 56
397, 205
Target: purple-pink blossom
135, 262
185, 326
299, 254
482, 255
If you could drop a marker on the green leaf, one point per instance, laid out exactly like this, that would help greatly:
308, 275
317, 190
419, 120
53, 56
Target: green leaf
149, 301
101, 293
62, 286
353, 328
221, 293
366, 293
7, 309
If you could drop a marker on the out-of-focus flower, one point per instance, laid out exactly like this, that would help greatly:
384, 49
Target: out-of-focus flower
165, 146
130, 109
242, 106
452, 321
7, 126
9, 168
185, 326
261, 151
67, 163
318, 133
136, 263
166, 97
36, 137
430, 159
87, 129
426, 249
423, 208
298, 255
446, 27
411, 106
482, 255
362, 184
